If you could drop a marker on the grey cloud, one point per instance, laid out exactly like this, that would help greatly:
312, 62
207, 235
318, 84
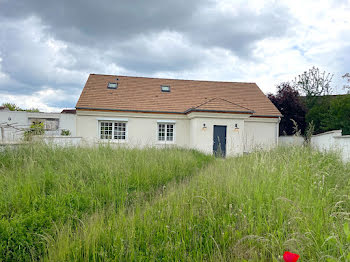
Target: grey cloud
108, 24
116, 37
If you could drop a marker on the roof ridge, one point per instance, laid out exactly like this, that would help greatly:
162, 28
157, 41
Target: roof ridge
214, 98
190, 80
237, 104
206, 102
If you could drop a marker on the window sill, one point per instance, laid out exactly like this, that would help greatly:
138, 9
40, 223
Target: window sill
113, 141
165, 142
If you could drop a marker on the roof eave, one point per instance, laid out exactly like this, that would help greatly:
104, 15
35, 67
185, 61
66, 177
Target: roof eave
166, 112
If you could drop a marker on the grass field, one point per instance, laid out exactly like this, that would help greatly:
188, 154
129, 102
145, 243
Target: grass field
173, 205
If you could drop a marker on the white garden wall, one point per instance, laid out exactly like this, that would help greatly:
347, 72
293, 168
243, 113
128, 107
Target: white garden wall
291, 140
13, 124
333, 140
328, 141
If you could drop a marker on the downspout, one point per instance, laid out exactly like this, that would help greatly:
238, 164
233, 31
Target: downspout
277, 130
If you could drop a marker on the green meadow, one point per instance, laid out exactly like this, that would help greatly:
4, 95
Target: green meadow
105, 204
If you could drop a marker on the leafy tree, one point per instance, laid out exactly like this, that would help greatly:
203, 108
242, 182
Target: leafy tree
318, 113
12, 106
288, 102
312, 84
339, 114
33, 110
331, 113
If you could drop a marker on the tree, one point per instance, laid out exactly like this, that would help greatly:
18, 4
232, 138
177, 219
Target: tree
11, 106
339, 114
313, 83
288, 102
14, 107
331, 113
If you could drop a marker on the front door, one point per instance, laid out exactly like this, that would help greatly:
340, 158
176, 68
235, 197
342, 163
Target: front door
219, 141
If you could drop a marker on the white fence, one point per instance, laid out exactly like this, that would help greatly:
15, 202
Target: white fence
333, 140
291, 140
328, 141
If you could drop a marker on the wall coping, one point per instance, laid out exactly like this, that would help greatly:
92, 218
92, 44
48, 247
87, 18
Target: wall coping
328, 132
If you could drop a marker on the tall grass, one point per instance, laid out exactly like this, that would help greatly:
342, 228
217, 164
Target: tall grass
44, 189
253, 207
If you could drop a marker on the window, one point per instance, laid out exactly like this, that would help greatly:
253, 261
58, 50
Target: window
50, 124
113, 130
166, 132
112, 85
165, 88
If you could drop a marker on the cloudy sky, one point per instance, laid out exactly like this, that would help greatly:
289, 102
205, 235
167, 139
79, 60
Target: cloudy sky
48, 48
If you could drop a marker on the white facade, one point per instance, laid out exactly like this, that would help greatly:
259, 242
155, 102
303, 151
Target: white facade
195, 130
13, 124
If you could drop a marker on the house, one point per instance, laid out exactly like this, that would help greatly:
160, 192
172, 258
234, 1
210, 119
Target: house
226, 117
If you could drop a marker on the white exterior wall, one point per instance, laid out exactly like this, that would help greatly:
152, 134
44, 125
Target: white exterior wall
202, 138
18, 119
260, 133
22, 119
142, 130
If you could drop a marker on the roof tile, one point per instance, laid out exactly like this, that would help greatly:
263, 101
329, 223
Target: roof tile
144, 94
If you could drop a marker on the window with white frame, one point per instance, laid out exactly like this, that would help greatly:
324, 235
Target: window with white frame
166, 132
113, 130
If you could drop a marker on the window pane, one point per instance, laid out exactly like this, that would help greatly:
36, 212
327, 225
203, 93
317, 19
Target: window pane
120, 130
161, 132
112, 85
106, 130
170, 133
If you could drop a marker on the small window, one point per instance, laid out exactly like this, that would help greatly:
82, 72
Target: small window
165, 88
113, 130
166, 132
112, 85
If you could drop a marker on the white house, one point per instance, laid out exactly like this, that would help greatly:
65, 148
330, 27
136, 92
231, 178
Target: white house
227, 117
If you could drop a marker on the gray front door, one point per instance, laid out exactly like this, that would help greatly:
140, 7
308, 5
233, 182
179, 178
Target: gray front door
219, 141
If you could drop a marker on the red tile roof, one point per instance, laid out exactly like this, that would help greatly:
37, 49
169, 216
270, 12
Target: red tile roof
141, 94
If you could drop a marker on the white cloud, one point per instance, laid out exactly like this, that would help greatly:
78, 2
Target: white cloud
40, 69
40, 99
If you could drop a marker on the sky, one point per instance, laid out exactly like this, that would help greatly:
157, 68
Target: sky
48, 48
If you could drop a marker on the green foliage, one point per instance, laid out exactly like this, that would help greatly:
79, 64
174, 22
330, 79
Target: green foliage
35, 110
14, 107
65, 132
104, 204
253, 208
35, 129
309, 132
331, 113
45, 189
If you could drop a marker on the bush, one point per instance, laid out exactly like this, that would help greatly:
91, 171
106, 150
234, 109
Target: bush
65, 132
35, 129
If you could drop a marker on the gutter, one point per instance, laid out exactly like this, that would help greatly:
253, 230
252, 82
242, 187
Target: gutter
165, 112
182, 113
